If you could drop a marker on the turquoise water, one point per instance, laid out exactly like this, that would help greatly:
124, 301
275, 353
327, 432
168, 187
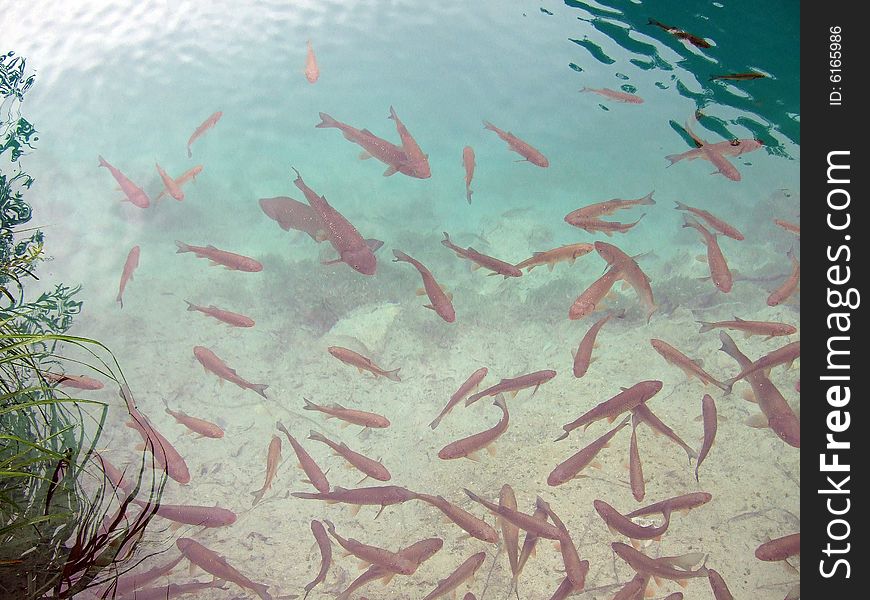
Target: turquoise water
131, 82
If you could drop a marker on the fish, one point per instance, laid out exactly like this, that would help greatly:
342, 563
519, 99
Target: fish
734, 147
498, 267
322, 539
316, 477
133, 193
618, 523
583, 355
688, 366
631, 273
530, 541
356, 417
477, 528
273, 460
418, 162
575, 569
212, 562
464, 571
173, 188
784, 355
440, 301
513, 385
464, 390
739, 76
719, 271
510, 533
234, 262
788, 287
292, 214
201, 516
370, 467
714, 221
683, 35
607, 207
766, 328
635, 467
529, 523
225, 316
205, 126
677, 503
569, 253
189, 175
383, 496
718, 585
468, 447
196, 425
79, 382
591, 297
788, 226
468, 163
391, 561
125, 584
395, 157
113, 474
723, 166
645, 415
312, 71
210, 362
418, 553
708, 412
624, 401
591, 225
173, 590
362, 363
654, 567
617, 95
780, 417
351, 247
524, 149
780, 548
165, 454
570, 468
634, 589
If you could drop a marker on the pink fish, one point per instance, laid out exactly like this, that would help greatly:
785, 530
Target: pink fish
173, 188
524, 149
468, 162
230, 318
212, 562
351, 247
206, 125
234, 262
292, 214
189, 175
417, 161
129, 266
133, 192
312, 71
615, 95
395, 157
440, 301
210, 362
79, 382
719, 271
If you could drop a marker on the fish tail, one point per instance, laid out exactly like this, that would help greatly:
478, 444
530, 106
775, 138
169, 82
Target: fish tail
189, 153
436, 422
393, 375
648, 199
103, 162
260, 590
400, 256
260, 388
258, 495
680, 205
705, 326
327, 121
182, 247
309, 405
190, 305
490, 126
673, 158
120, 300
468, 194
317, 437
393, 114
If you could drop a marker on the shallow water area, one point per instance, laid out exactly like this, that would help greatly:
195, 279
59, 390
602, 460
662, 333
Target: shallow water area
132, 81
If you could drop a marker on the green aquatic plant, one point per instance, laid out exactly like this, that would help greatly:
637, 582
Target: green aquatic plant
65, 525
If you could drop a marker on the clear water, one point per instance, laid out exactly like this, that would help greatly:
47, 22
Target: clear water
131, 81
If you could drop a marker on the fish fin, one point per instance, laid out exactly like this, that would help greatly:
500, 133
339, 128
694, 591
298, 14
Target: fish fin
491, 450
475, 456
364, 155
391, 170
354, 509
758, 421
595, 464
